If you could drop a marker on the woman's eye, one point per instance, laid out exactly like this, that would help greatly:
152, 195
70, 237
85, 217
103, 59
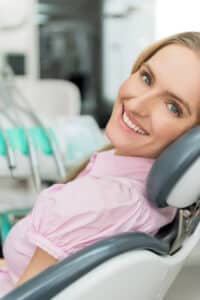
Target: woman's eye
146, 78
174, 108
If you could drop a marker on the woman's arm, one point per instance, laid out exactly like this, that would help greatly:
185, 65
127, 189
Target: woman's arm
40, 261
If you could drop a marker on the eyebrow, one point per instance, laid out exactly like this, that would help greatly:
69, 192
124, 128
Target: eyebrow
183, 102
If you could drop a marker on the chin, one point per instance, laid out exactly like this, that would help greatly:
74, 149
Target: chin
114, 141
108, 134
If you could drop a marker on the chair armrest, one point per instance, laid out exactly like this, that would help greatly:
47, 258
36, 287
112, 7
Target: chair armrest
50, 282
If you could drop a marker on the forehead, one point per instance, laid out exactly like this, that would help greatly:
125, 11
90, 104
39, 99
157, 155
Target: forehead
177, 69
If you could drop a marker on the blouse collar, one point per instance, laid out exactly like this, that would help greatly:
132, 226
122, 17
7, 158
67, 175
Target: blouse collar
107, 163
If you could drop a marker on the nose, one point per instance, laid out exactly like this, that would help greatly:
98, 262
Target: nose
144, 103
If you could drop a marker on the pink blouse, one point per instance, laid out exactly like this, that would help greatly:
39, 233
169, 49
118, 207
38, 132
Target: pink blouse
107, 198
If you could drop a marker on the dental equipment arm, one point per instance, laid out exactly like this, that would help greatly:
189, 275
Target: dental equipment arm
6, 96
8, 88
34, 163
11, 159
55, 149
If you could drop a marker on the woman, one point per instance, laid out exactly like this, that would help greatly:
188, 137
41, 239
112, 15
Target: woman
157, 103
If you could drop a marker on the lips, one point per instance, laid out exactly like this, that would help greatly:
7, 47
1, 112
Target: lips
133, 120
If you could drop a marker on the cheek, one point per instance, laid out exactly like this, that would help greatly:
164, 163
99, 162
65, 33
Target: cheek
113, 118
166, 131
110, 129
115, 110
128, 87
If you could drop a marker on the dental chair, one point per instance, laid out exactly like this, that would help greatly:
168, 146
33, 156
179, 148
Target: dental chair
134, 266
51, 99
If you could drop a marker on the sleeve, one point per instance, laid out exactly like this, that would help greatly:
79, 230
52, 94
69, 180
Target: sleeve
58, 230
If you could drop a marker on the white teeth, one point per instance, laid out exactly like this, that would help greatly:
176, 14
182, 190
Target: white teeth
131, 125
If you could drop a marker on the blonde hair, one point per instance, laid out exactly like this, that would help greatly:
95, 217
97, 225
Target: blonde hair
190, 40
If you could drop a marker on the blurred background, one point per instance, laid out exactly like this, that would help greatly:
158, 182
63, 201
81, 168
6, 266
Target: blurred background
91, 43
62, 59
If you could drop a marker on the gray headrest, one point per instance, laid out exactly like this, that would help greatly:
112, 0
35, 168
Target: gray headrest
175, 176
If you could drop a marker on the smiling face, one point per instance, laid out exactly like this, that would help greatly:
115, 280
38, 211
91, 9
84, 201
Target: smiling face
156, 104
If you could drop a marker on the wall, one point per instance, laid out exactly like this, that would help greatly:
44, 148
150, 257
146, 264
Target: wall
128, 27
19, 32
174, 16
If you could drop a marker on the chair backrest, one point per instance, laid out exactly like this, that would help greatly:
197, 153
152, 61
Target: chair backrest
173, 180
51, 98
